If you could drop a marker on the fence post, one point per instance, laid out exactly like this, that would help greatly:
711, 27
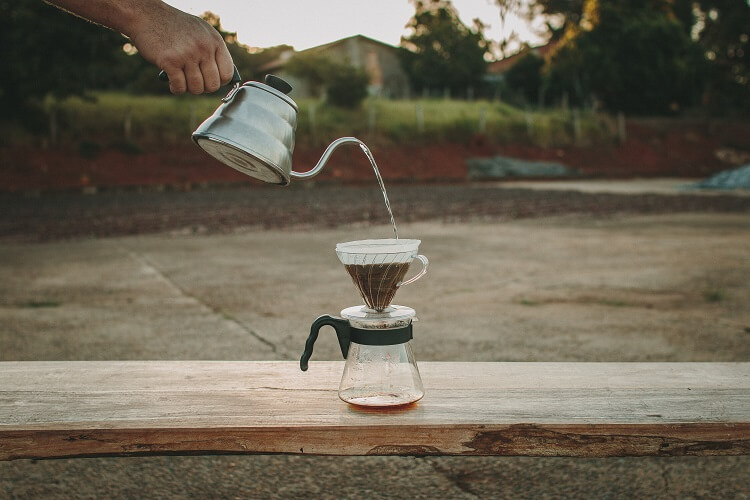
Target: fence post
470, 94
576, 127
419, 110
127, 123
191, 119
621, 129
53, 125
482, 120
371, 119
540, 97
313, 124
529, 124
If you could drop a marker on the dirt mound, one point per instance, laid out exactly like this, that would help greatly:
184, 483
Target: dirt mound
653, 148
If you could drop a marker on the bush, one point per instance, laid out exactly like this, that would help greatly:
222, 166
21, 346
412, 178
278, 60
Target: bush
525, 78
347, 86
89, 149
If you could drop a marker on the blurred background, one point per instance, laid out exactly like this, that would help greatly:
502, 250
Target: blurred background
610, 89
578, 172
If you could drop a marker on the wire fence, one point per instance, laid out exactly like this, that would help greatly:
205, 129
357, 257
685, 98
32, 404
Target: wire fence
150, 121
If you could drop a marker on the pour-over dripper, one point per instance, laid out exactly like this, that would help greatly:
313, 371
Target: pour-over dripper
378, 267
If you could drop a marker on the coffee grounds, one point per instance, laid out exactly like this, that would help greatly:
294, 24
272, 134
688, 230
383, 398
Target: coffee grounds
377, 282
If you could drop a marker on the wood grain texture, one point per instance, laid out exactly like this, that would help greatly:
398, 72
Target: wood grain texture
121, 408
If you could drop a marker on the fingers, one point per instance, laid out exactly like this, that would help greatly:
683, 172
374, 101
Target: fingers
177, 83
225, 64
211, 79
192, 52
194, 77
208, 75
204, 76
196, 58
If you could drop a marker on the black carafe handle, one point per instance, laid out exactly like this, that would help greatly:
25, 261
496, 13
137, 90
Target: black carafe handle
342, 332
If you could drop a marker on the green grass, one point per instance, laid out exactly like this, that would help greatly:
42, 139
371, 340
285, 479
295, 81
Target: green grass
714, 295
153, 119
448, 121
136, 122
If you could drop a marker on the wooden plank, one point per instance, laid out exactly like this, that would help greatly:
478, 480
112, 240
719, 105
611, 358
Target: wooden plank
121, 408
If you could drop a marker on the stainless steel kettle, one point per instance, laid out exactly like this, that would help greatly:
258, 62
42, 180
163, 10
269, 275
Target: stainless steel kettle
253, 131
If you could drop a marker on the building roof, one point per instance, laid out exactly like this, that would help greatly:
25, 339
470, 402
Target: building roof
346, 39
503, 65
281, 61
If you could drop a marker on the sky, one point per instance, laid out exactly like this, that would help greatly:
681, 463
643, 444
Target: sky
307, 23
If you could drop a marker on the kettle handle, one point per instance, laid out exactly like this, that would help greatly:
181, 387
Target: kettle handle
343, 333
236, 78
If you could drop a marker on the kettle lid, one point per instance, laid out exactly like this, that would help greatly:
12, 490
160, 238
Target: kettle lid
276, 86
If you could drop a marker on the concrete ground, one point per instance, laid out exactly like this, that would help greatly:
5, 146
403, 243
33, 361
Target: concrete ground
668, 287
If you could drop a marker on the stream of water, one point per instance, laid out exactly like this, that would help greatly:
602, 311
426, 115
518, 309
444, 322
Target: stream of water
370, 157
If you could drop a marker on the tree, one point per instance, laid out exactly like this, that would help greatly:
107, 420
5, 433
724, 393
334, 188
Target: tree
561, 15
507, 8
639, 58
314, 67
347, 86
525, 77
442, 52
253, 59
634, 56
713, 49
344, 84
248, 60
722, 28
48, 51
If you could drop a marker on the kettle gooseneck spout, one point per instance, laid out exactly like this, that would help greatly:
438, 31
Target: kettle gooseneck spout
327, 154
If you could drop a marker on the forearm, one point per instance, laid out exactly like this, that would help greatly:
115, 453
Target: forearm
123, 16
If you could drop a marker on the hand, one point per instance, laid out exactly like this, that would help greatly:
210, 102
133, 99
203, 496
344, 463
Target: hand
188, 49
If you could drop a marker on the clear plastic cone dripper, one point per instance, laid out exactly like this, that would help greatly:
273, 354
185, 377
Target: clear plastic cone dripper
378, 267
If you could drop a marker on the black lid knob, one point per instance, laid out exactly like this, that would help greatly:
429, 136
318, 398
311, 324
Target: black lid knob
277, 83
